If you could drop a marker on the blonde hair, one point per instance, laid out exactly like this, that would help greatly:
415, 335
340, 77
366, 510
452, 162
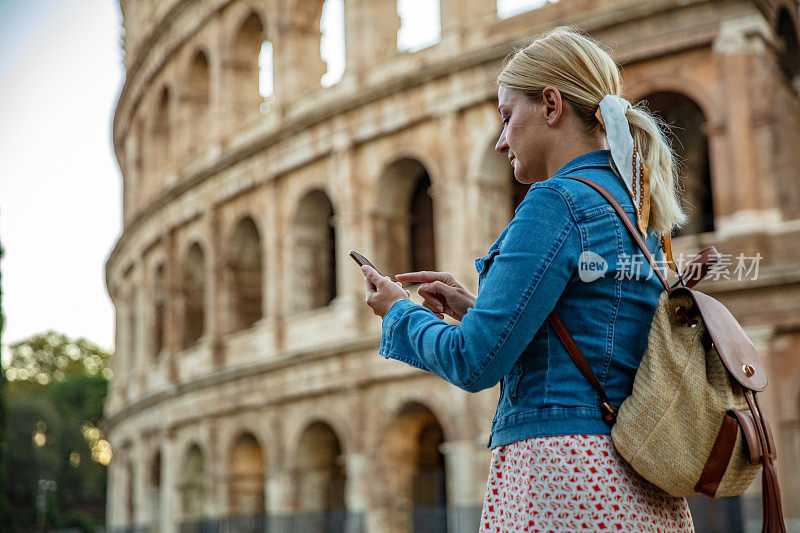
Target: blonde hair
582, 70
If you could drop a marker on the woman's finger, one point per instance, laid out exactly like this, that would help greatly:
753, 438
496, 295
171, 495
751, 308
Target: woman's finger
424, 276
435, 307
432, 297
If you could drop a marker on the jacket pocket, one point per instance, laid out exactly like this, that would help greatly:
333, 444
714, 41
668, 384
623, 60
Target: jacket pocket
514, 378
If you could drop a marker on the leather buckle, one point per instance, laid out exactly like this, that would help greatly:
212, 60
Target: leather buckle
609, 413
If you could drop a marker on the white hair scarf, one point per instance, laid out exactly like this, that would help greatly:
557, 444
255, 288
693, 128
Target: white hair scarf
611, 114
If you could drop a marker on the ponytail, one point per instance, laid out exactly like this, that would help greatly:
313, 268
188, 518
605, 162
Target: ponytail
650, 139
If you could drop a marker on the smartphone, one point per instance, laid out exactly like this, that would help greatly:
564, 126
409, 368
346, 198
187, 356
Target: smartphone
361, 260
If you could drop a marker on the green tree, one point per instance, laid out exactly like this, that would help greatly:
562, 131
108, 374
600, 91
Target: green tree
56, 390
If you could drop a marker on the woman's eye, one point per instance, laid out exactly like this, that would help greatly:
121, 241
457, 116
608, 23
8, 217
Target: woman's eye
506, 119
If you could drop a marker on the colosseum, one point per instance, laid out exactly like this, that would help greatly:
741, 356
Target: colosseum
248, 393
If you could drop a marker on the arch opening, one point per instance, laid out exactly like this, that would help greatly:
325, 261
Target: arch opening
246, 495
161, 133
332, 43
690, 142
510, 8
198, 102
313, 253
415, 470
405, 224
420, 24
245, 278
159, 310
193, 296
789, 55
250, 59
192, 486
321, 480
154, 490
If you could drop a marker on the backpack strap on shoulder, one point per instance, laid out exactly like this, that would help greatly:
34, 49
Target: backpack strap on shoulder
629, 225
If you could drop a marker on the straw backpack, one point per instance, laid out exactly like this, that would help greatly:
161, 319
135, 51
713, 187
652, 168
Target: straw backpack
692, 424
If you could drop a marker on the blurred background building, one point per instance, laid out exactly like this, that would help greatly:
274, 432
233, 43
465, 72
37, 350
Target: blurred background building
247, 390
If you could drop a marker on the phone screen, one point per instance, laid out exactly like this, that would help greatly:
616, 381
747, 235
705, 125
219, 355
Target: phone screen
361, 260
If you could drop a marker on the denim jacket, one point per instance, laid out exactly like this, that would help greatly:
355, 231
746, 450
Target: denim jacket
566, 249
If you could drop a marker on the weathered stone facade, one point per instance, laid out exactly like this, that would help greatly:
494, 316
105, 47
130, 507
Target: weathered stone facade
246, 377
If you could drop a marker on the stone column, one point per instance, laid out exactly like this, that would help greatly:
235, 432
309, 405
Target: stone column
356, 498
349, 280
170, 510
113, 494
745, 203
297, 43
456, 15
140, 502
281, 498
273, 242
370, 32
467, 471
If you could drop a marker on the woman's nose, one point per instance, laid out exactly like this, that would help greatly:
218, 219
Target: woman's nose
501, 145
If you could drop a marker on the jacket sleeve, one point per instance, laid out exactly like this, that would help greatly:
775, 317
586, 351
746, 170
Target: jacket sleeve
535, 263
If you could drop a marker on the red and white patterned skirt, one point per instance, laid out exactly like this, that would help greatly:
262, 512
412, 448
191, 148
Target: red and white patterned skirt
574, 483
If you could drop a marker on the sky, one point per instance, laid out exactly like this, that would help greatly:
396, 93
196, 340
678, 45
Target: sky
60, 187
60, 76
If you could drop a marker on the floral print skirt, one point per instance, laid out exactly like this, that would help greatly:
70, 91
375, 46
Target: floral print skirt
574, 483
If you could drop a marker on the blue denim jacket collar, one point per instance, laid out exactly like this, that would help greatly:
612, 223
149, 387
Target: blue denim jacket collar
596, 159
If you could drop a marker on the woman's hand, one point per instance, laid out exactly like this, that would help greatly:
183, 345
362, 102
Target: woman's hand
441, 293
382, 293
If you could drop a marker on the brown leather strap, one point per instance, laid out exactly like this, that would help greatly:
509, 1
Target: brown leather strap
698, 268
628, 224
720, 456
771, 507
609, 411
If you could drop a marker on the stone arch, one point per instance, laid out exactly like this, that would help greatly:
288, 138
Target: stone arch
789, 52
198, 100
435, 400
193, 292
337, 423
413, 470
192, 484
159, 303
244, 273
246, 481
690, 142
243, 65
313, 252
320, 479
405, 224
711, 106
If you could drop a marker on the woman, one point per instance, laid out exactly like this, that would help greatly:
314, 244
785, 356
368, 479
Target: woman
554, 466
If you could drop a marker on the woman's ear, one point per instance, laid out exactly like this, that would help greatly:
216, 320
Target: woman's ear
553, 104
